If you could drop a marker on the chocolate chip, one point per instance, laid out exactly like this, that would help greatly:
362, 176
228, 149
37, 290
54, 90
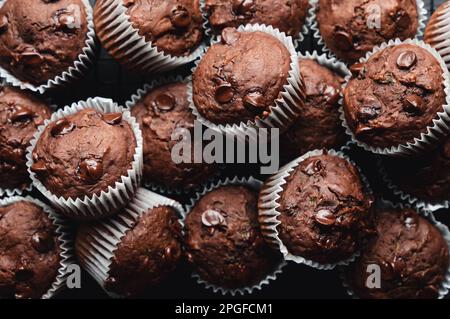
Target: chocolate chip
358, 69
242, 7
410, 222
313, 168
42, 242
212, 218
23, 274
21, 114
90, 170
224, 93
229, 35
402, 19
164, 102
65, 19
39, 168
31, 57
3, 24
363, 129
112, 118
255, 101
62, 127
181, 17
406, 60
329, 92
398, 266
369, 110
414, 104
343, 40
325, 217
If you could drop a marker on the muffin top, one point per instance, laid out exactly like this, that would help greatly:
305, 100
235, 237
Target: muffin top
223, 240
412, 255
84, 153
426, 177
29, 251
287, 16
173, 26
325, 213
39, 40
160, 113
20, 115
394, 96
239, 79
318, 125
147, 253
350, 29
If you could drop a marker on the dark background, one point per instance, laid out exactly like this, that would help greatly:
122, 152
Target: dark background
108, 79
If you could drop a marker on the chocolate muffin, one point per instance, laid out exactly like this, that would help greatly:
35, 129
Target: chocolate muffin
159, 113
394, 96
325, 212
173, 26
437, 33
39, 40
29, 251
84, 153
350, 29
318, 125
426, 177
223, 240
240, 78
287, 16
145, 256
411, 253
20, 115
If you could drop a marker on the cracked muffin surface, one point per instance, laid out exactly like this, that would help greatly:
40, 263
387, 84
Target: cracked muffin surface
411, 253
39, 39
29, 251
350, 29
325, 212
394, 96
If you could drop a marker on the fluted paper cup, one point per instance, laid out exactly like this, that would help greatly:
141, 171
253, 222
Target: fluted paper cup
437, 33
269, 210
96, 250
76, 71
124, 43
283, 111
251, 183
445, 286
435, 132
109, 200
65, 243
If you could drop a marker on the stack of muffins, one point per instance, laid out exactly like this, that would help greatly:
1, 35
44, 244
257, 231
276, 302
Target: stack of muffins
95, 183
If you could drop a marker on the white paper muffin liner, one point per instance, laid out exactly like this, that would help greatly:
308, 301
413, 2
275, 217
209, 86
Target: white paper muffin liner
434, 133
269, 213
297, 40
445, 286
96, 250
283, 111
108, 201
76, 71
437, 33
255, 185
315, 29
64, 239
412, 200
132, 50
138, 96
